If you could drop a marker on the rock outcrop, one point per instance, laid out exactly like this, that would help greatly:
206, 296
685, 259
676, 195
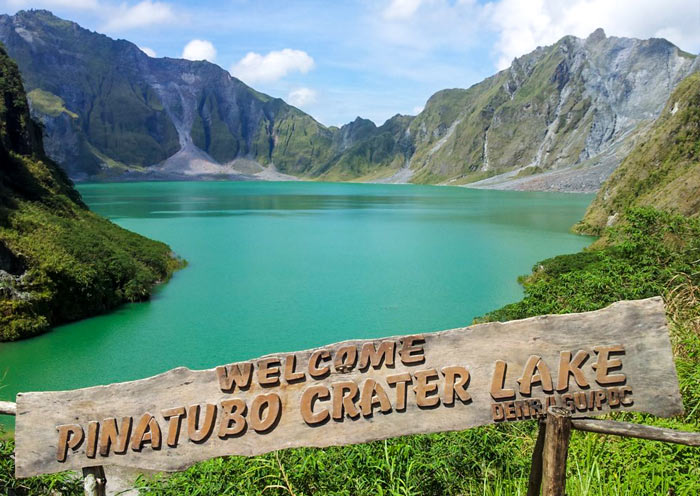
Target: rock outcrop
662, 171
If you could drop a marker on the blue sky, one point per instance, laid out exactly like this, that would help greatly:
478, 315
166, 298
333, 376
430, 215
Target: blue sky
342, 59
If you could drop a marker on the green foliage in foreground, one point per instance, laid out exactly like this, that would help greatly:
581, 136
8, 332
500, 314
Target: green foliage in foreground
637, 259
653, 253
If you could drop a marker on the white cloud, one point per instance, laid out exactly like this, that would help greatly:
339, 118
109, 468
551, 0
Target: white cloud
401, 9
148, 51
199, 50
424, 25
145, 13
430, 28
418, 109
71, 4
301, 97
256, 68
522, 25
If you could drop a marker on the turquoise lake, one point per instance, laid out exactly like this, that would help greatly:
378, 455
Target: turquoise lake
277, 267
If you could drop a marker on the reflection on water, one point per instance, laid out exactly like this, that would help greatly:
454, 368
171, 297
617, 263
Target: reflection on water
180, 199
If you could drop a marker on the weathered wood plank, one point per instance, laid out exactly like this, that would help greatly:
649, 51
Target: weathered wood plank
618, 358
8, 408
637, 430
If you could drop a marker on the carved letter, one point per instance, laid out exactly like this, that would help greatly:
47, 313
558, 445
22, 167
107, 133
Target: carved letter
110, 435
521, 409
373, 394
69, 436
271, 405
456, 381
580, 401
535, 372
605, 364
146, 431
290, 375
498, 380
175, 415
314, 370
599, 398
567, 367
371, 355
199, 433
624, 391
425, 396
234, 375
400, 381
412, 352
269, 371
536, 407
345, 359
232, 420
310, 396
509, 408
344, 394
91, 445
497, 412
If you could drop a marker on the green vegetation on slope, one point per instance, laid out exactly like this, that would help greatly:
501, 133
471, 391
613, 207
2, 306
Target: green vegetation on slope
663, 170
48, 103
58, 261
655, 251
635, 260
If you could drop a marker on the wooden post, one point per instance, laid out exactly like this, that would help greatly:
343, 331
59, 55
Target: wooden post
533, 487
94, 482
556, 446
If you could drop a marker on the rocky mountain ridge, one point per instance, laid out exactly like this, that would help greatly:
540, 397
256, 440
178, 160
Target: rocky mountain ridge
662, 171
561, 117
574, 106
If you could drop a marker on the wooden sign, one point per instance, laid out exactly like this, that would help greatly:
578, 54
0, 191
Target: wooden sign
614, 359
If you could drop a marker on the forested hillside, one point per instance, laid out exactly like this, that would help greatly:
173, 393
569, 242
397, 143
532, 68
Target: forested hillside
58, 261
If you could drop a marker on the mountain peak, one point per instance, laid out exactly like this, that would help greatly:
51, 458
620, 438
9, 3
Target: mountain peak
597, 35
42, 14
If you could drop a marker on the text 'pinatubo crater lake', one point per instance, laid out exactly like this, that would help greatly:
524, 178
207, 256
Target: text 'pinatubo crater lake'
277, 267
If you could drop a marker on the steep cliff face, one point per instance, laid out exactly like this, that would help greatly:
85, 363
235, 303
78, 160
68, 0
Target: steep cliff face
121, 110
58, 261
362, 150
110, 115
662, 171
573, 104
561, 117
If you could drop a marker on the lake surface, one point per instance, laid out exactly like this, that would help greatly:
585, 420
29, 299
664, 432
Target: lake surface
277, 267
